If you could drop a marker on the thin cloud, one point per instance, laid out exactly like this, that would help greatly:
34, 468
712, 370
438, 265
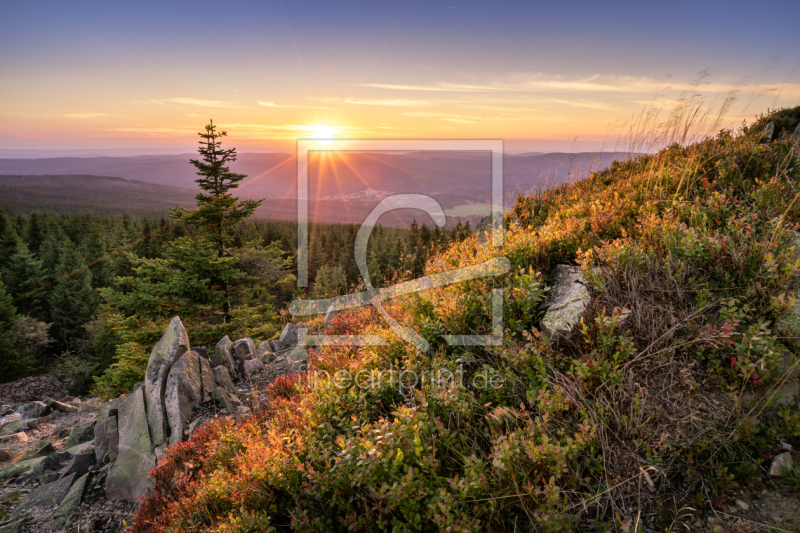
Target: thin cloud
399, 102
84, 115
203, 103
269, 103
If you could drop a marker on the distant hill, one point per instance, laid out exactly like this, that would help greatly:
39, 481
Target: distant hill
343, 187
70, 193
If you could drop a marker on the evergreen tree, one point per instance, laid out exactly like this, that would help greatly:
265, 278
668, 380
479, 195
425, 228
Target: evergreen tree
73, 302
15, 364
95, 252
9, 241
36, 234
24, 274
217, 209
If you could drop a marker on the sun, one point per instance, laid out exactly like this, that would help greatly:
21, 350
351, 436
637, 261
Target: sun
323, 134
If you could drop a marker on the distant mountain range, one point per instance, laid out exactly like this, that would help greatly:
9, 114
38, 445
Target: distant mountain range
343, 187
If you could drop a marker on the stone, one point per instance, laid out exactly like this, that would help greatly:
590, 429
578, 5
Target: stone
202, 351
565, 301
769, 129
242, 410
11, 417
485, 228
70, 502
781, 465
54, 461
6, 455
80, 464
207, 381
252, 366
15, 527
245, 349
15, 437
169, 349
223, 355
42, 451
330, 314
184, 390
128, 480
81, 433
264, 353
15, 426
223, 378
275, 345
33, 410
196, 424
289, 336
105, 432
47, 495
742, 505
224, 399
80, 448
63, 407
21, 468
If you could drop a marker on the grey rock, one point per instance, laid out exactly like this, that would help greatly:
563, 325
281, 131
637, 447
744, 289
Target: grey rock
11, 417
485, 228
170, 348
207, 381
70, 502
289, 336
245, 349
42, 451
46, 496
202, 351
252, 366
781, 465
223, 355
127, 480
54, 461
105, 432
80, 464
81, 433
264, 352
565, 301
743, 505
223, 378
184, 390
33, 410
330, 314
225, 399
63, 407
21, 468
275, 345
769, 129
14, 426
17, 526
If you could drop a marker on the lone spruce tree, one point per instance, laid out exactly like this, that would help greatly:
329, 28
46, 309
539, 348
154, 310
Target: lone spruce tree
217, 209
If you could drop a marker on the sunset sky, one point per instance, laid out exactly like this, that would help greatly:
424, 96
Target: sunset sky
144, 77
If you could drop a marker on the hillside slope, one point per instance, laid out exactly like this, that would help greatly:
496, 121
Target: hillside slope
646, 402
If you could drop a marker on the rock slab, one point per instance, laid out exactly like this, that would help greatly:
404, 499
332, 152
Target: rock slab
566, 301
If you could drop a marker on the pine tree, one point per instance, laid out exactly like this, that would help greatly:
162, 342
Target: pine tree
217, 210
9, 241
36, 234
14, 364
73, 302
24, 274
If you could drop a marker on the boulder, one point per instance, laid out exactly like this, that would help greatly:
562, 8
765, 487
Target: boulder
17, 526
47, 495
105, 433
330, 314
225, 399
223, 379
15, 437
63, 407
11, 417
565, 302
21, 468
202, 351
289, 336
6, 455
43, 450
223, 355
170, 348
80, 464
128, 479
485, 228
275, 346
81, 433
252, 366
264, 353
245, 349
70, 502
190, 382
33, 410
14, 427
781, 465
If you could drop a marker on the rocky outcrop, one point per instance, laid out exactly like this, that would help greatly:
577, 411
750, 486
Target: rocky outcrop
265, 353
128, 478
330, 314
184, 390
106, 434
223, 355
223, 378
81, 433
170, 348
565, 302
244, 349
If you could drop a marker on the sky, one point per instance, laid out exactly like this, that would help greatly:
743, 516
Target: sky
144, 77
